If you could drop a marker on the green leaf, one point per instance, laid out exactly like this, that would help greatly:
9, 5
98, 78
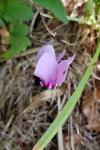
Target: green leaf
97, 8
55, 6
13, 10
89, 7
1, 7
18, 40
68, 108
17, 47
18, 29
1, 23
97, 1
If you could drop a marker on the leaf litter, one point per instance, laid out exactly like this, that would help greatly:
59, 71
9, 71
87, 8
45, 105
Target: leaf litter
27, 110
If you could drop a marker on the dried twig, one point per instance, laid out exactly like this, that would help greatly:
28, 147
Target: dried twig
60, 134
70, 120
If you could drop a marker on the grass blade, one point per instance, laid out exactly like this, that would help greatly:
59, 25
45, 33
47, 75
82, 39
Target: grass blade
89, 7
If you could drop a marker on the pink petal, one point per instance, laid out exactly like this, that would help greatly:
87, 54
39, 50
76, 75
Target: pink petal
70, 59
45, 49
47, 69
60, 56
63, 69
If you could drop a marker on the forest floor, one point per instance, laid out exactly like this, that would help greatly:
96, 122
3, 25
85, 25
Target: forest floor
27, 109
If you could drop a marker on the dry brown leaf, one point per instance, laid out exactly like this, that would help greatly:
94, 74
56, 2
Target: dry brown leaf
4, 39
91, 106
76, 138
94, 126
54, 24
74, 7
43, 96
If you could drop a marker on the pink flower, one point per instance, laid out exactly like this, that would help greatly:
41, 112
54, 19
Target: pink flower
50, 69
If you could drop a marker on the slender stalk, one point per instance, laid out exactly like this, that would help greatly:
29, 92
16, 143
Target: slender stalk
60, 132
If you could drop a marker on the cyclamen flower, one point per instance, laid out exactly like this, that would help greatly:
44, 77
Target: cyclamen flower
50, 69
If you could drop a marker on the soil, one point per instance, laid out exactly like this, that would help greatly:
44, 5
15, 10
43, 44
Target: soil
27, 109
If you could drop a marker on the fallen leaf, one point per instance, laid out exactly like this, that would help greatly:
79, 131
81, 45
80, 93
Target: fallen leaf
4, 39
76, 138
4, 35
91, 106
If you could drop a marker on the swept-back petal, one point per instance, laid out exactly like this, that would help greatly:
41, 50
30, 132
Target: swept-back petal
70, 59
45, 49
60, 56
47, 68
63, 69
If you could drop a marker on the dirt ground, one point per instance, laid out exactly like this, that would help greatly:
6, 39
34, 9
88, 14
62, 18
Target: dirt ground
27, 109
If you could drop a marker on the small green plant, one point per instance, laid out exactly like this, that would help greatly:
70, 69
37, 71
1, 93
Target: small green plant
55, 6
93, 13
14, 14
